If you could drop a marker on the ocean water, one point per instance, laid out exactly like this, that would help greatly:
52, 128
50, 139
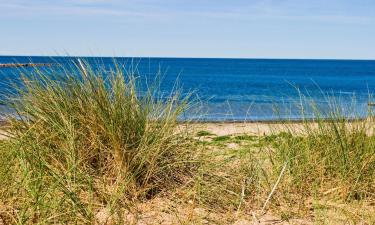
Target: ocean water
247, 89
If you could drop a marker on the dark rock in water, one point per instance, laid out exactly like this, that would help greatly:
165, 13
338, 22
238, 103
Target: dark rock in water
25, 64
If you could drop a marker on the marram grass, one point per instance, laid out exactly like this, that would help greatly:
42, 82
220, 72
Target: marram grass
82, 139
331, 157
89, 139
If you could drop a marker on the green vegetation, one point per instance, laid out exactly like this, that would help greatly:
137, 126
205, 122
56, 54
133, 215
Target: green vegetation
338, 156
83, 143
203, 133
245, 138
80, 140
328, 162
221, 138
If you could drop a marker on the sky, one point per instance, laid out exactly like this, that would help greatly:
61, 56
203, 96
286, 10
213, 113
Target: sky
334, 29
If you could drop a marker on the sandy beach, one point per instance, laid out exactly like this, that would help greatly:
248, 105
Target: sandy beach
261, 128
235, 128
253, 128
238, 128
187, 112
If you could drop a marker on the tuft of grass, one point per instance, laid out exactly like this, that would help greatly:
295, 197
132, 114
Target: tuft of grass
221, 138
331, 157
87, 139
227, 180
335, 154
203, 133
245, 138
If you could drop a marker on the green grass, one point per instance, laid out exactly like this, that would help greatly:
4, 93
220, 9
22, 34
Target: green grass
203, 133
330, 159
223, 138
226, 179
81, 140
245, 138
84, 141
335, 154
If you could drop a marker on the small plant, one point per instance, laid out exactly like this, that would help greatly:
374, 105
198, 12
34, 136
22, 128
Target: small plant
245, 138
203, 133
221, 138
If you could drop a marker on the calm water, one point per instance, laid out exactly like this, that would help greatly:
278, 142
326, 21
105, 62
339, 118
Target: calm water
248, 89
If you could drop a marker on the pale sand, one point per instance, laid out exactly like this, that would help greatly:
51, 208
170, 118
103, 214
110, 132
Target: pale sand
237, 128
220, 129
2, 135
256, 128
265, 128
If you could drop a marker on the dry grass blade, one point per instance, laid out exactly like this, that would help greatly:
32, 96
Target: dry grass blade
274, 187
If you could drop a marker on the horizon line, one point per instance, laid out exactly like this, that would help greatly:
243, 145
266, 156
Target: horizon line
192, 57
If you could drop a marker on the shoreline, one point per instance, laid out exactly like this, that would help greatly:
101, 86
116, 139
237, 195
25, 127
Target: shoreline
279, 121
276, 121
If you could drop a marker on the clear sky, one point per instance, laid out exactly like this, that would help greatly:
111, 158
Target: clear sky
189, 28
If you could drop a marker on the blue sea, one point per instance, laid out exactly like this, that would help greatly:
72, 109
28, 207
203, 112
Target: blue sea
247, 89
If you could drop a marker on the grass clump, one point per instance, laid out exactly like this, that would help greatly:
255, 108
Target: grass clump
221, 138
334, 156
204, 133
245, 137
85, 139
335, 153
227, 181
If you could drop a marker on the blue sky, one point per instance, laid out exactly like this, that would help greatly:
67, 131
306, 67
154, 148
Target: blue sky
190, 28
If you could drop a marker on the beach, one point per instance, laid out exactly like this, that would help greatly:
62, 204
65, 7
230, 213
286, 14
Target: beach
242, 128
106, 151
187, 112
105, 154
248, 128
232, 128
264, 128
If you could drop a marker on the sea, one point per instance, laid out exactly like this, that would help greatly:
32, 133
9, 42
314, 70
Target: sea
226, 89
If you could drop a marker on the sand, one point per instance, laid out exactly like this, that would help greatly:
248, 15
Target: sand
2, 135
238, 128
220, 129
265, 128
254, 128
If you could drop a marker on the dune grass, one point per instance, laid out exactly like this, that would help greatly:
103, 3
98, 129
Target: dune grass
330, 159
87, 140
82, 139
336, 154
